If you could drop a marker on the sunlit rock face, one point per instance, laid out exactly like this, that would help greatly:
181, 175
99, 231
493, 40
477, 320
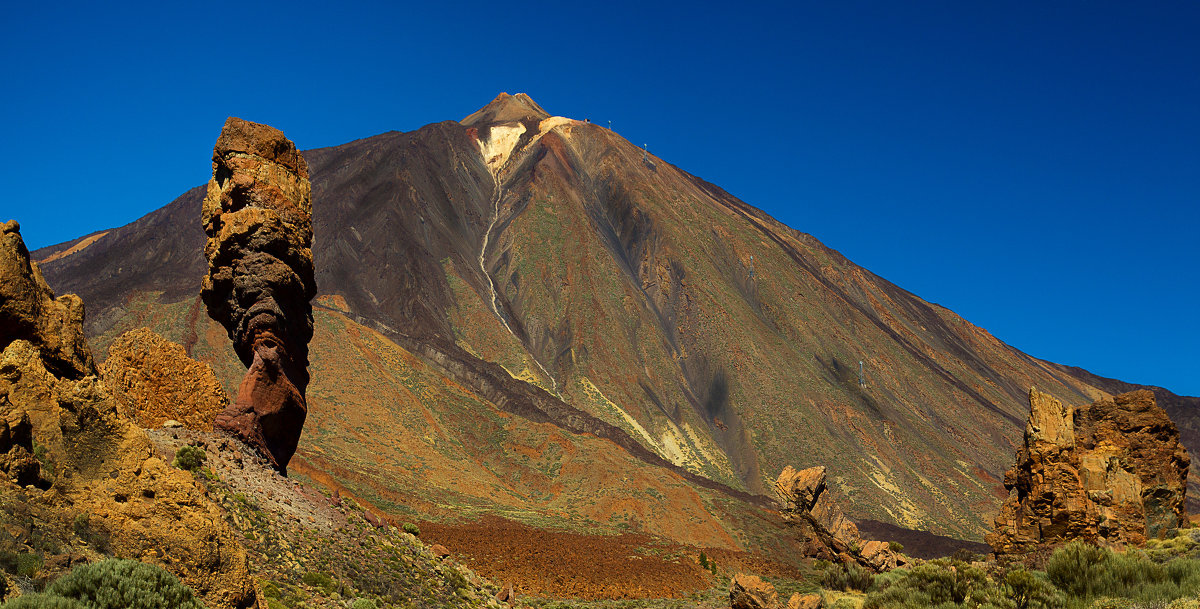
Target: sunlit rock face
1112, 472
258, 218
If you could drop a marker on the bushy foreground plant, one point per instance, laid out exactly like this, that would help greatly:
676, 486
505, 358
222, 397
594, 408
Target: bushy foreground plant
944, 583
112, 584
1086, 572
1077, 576
847, 577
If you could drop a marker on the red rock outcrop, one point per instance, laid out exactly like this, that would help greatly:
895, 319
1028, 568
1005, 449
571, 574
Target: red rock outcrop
154, 381
1112, 472
94, 473
828, 534
258, 218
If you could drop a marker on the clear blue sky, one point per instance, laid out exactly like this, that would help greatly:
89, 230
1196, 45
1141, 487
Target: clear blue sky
1034, 166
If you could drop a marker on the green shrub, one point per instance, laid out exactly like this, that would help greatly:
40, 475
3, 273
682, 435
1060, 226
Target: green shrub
1086, 572
1074, 568
895, 546
189, 457
323, 581
849, 576
703, 561
1029, 591
412, 529
123, 584
363, 603
948, 582
25, 564
41, 601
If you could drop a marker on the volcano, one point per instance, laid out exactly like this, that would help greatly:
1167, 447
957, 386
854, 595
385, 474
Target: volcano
527, 316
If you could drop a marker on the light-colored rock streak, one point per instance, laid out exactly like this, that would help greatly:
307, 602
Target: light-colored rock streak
496, 153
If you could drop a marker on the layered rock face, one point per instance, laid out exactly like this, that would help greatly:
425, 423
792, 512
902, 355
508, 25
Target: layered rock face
76, 471
258, 218
1112, 472
155, 381
828, 533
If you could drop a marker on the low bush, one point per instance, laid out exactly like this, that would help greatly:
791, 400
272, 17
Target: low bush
942, 583
41, 601
322, 581
1085, 573
412, 529
111, 584
189, 457
847, 577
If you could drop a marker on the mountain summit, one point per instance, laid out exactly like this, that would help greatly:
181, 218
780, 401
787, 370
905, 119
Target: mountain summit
523, 315
507, 109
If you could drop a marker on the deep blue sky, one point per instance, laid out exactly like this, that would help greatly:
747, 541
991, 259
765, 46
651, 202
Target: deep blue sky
1034, 166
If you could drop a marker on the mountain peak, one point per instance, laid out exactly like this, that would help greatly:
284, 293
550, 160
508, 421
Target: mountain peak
507, 109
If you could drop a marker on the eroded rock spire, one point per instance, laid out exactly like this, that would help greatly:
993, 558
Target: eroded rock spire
258, 218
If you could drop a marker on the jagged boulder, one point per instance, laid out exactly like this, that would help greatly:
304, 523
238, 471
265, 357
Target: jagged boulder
805, 601
1112, 472
258, 218
29, 311
751, 592
828, 534
155, 381
81, 474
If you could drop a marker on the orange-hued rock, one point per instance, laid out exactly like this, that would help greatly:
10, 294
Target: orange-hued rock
804, 601
28, 310
1112, 472
99, 476
751, 592
155, 381
828, 534
258, 218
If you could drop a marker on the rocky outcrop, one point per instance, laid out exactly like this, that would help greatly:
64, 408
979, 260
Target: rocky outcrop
805, 601
258, 218
827, 533
29, 311
751, 592
155, 381
1112, 473
78, 472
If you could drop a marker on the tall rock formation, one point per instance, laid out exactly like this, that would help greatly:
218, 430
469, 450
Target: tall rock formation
828, 534
258, 218
76, 475
1112, 472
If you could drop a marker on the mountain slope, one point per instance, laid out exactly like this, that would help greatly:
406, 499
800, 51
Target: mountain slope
553, 270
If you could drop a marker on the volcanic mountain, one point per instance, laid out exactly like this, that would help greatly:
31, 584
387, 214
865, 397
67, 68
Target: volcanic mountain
526, 315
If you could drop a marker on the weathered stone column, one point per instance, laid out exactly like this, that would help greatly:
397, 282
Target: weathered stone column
258, 218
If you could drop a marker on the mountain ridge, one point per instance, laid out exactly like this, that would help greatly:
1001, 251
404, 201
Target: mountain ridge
620, 276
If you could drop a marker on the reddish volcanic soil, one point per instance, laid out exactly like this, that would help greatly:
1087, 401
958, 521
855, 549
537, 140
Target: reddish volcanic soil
574, 565
560, 564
